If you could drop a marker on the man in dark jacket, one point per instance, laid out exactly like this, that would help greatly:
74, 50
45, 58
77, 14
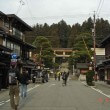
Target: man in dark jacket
24, 80
65, 77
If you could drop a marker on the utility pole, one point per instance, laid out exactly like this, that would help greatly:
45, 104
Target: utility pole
94, 42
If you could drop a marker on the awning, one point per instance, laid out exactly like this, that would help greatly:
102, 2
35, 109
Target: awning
28, 64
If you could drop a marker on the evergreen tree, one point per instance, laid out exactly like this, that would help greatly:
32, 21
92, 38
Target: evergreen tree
63, 33
75, 30
44, 51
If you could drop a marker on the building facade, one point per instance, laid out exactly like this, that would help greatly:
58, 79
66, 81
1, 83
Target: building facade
104, 67
12, 41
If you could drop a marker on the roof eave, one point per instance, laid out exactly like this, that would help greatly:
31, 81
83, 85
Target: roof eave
28, 28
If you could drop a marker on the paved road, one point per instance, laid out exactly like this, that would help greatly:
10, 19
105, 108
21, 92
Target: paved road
54, 96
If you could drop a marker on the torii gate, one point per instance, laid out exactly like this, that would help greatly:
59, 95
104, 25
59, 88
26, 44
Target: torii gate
62, 53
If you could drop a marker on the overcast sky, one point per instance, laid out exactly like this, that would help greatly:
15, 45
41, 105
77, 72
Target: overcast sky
52, 11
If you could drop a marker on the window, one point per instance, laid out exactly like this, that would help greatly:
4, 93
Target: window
16, 49
6, 24
9, 44
4, 42
17, 33
12, 46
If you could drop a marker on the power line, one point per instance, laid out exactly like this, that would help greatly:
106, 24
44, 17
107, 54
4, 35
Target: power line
57, 17
20, 6
29, 10
101, 7
101, 2
98, 6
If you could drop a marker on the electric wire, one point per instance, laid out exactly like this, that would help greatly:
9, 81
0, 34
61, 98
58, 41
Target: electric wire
101, 7
101, 2
29, 10
98, 6
57, 17
20, 6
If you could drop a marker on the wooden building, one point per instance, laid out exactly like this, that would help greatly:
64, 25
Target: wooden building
12, 40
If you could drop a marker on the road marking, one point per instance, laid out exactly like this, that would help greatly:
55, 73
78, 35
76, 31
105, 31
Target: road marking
52, 85
3, 102
101, 92
7, 101
32, 88
98, 90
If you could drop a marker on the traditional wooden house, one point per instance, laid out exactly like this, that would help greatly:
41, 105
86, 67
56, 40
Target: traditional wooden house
12, 40
105, 65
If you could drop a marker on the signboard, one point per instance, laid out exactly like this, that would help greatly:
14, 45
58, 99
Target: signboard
14, 56
13, 60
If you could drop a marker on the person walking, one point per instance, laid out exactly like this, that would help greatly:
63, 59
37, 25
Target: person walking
65, 77
24, 81
13, 85
59, 75
55, 75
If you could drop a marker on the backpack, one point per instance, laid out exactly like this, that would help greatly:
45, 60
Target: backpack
12, 78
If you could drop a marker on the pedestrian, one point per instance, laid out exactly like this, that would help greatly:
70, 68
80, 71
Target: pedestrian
59, 75
46, 76
13, 85
24, 81
65, 77
55, 75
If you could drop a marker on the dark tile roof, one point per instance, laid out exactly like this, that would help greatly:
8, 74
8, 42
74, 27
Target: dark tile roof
27, 27
1, 13
104, 41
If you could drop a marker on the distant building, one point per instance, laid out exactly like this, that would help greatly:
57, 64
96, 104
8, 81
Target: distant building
82, 68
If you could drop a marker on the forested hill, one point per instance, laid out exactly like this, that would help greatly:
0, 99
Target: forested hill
64, 35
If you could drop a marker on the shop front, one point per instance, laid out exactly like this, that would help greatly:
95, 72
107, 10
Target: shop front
4, 66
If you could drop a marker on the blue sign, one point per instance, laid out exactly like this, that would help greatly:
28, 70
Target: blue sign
14, 56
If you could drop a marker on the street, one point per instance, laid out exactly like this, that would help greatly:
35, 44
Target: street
54, 96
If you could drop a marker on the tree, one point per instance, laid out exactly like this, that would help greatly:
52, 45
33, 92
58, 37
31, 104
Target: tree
82, 47
87, 25
63, 33
75, 30
102, 29
44, 51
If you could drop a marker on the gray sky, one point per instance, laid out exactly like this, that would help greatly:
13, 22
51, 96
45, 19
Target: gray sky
52, 11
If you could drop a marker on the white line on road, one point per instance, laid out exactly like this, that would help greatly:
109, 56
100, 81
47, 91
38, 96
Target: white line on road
52, 85
32, 88
97, 90
3, 102
101, 92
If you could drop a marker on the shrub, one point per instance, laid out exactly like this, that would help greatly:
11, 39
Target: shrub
89, 78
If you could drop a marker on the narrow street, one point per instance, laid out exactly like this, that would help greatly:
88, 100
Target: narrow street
54, 96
